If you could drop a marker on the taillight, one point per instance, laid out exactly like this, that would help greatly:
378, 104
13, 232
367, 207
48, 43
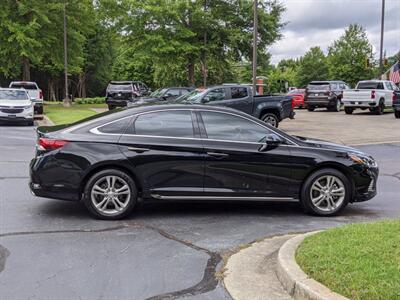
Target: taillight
372, 94
46, 144
40, 94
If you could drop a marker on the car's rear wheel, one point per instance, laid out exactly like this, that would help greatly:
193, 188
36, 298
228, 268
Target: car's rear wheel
271, 119
380, 108
110, 194
397, 114
325, 192
348, 110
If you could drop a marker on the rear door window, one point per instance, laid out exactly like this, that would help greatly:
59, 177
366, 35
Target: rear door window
238, 92
176, 123
27, 86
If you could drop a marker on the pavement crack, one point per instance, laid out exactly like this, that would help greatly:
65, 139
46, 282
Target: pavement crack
4, 253
208, 283
396, 175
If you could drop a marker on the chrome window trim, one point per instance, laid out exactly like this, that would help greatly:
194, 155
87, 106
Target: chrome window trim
96, 131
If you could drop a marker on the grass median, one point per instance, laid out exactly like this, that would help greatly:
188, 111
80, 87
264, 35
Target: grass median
65, 115
360, 261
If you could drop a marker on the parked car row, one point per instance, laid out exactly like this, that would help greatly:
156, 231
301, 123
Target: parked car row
374, 95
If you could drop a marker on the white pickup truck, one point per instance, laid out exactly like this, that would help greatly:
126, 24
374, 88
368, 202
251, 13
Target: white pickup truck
374, 95
35, 93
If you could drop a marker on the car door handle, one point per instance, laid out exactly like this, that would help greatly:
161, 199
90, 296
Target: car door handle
217, 155
138, 150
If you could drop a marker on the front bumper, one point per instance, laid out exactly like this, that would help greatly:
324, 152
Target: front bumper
369, 189
118, 103
8, 115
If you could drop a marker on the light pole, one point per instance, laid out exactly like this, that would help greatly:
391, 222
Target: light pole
382, 30
255, 34
66, 101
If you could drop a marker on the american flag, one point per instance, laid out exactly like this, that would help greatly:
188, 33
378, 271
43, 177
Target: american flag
395, 73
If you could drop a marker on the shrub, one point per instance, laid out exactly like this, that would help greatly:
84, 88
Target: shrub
95, 100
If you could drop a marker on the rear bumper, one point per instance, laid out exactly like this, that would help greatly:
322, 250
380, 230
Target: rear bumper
118, 103
320, 101
358, 103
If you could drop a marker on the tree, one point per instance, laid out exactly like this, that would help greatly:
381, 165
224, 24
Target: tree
312, 66
347, 56
197, 37
23, 28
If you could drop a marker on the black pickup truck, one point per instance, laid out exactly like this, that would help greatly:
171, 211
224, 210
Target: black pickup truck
270, 109
396, 102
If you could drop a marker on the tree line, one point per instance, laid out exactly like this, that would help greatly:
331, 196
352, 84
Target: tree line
162, 43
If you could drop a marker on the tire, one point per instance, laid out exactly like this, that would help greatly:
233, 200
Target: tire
310, 108
337, 106
380, 108
110, 107
348, 110
271, 119
101, 188
397, 114
310, 194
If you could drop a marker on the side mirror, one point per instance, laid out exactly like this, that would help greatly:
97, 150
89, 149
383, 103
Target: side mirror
205, 100
271, 140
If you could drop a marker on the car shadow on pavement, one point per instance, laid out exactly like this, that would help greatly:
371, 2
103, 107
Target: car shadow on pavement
74, 210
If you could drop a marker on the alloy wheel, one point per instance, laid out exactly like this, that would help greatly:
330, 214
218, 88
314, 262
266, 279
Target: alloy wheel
271, 120
110, 195
327, 193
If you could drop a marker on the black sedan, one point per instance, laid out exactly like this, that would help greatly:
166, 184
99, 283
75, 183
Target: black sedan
193, 153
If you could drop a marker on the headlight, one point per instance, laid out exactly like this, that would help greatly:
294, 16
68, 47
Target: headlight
363, 160
27, 107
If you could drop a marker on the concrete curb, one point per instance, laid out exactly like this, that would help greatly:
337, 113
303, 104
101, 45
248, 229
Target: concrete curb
294, 280
44, 122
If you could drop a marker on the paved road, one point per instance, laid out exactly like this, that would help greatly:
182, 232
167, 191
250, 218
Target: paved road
54, 250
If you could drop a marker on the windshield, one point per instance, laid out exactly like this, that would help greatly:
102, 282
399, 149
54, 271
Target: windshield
157, 93
296, 92
318, 86
192, 97
13, 95
120, 87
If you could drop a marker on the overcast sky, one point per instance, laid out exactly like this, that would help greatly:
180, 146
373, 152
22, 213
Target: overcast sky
320, 22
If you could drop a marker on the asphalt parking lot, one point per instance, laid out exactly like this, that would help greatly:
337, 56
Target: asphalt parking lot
54, 250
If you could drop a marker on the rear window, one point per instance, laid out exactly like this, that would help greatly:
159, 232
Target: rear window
323, 86
370, 86
27, 86
120, 87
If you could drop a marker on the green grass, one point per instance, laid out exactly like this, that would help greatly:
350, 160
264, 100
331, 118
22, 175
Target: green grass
62, 115
360, 261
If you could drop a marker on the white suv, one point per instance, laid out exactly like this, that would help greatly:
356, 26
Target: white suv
16, 105
35, 93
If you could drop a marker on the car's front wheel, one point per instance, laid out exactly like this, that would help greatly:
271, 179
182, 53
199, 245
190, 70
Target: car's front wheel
310, 108
110, 107
271, 119
397, 114
110, 194
325, 192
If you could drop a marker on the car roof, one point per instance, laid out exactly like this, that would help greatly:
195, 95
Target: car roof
327, 81
23, 82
